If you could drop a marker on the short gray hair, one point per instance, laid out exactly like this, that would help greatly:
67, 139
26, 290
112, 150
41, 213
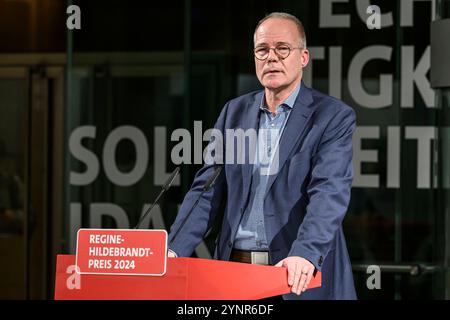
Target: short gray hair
287, 16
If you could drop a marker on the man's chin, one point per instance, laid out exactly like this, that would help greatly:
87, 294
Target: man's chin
274, 86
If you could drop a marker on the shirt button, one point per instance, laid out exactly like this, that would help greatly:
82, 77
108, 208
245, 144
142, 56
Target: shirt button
272, 124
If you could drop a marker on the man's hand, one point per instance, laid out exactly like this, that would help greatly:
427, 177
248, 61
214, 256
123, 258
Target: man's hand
171, 254
300, 272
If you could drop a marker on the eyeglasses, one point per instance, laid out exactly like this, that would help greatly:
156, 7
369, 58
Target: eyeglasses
282, 51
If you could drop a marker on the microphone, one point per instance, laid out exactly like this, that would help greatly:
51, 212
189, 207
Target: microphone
212, 180
165, 187
208, 184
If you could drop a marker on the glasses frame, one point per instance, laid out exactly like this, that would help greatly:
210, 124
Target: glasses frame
275, 50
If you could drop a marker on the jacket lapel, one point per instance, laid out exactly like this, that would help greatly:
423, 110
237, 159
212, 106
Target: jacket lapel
250, 121
294, 129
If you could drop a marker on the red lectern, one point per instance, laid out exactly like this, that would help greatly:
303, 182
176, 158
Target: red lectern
185, 279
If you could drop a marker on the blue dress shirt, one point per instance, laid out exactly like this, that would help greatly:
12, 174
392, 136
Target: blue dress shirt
251, 235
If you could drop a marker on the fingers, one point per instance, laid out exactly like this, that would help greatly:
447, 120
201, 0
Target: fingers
300, 273
292, 276
308, 280
171, 254
303, 278
296, 288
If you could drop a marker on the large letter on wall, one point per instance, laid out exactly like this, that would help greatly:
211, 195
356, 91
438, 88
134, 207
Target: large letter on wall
109, 156
355, 79
360, 156
79, 152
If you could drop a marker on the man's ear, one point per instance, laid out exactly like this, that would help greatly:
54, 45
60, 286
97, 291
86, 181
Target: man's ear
305, 58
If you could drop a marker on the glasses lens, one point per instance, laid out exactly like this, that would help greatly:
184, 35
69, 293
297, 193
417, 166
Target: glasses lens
261, 52
283, 51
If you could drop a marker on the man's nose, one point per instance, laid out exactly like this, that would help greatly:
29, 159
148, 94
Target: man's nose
272, 57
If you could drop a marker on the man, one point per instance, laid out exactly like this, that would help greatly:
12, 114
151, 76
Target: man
291, 216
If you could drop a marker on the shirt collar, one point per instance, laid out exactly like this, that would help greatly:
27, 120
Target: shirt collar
289, 102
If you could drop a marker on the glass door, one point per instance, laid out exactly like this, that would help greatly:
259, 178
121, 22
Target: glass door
14, 243
31, 175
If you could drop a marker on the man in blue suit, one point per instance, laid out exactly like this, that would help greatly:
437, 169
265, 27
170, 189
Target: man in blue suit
287, 211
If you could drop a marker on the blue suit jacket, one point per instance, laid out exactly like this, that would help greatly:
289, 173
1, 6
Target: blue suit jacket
306, 200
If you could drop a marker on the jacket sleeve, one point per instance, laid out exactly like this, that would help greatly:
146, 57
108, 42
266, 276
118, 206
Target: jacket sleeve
328, 190
203, 215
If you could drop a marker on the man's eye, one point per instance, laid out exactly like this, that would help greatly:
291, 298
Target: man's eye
283, 49
262, 50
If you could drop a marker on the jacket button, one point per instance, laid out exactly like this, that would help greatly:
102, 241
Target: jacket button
320, 261
230, 244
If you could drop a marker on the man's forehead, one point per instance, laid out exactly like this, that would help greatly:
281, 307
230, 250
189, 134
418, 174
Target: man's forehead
279, 30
